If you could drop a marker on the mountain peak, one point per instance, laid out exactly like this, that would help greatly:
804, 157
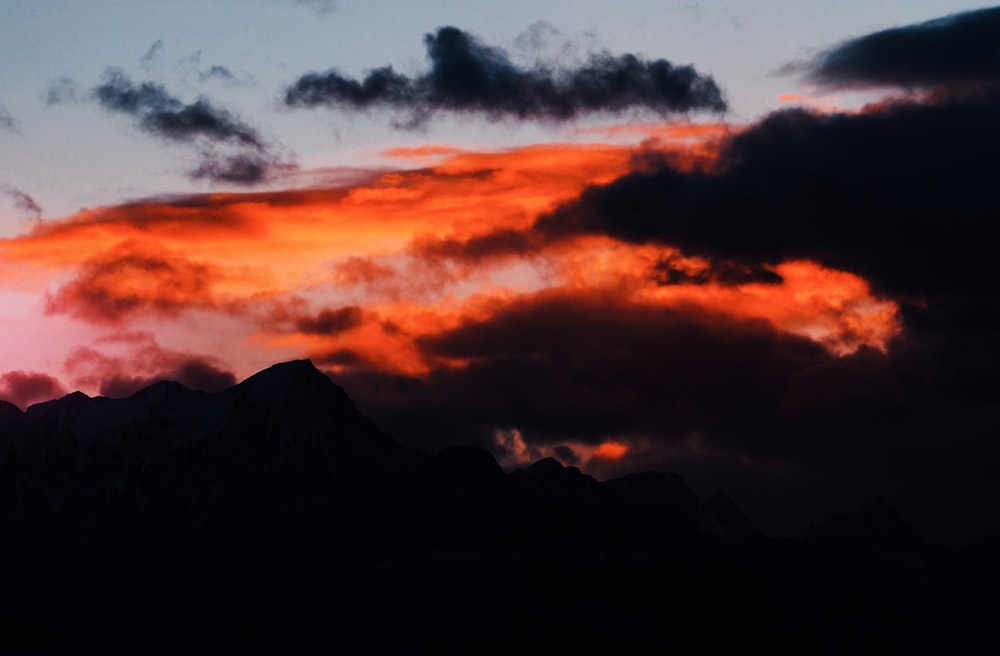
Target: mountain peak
287, 372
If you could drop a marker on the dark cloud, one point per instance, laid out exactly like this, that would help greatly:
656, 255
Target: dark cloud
200, 123
502, 242
737, 405
161, 114
575, 367
22, 388
22, 201
957, 49
331, 322
247, 168
8, 122
901, 195
60, 91
668, 272
471, 77
134, 277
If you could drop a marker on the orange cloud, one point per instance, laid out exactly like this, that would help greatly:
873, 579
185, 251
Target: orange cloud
422, 152
610, 451
134, 276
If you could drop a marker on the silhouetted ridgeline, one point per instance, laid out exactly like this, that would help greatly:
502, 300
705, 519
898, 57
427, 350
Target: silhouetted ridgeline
275, 515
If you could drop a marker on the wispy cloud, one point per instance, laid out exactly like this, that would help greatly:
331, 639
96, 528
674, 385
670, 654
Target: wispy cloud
152, 53
8, 122
321, 7
250, 159
22, 201
60, 91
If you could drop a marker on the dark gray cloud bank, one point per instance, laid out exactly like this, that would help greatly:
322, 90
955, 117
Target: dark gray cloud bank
468, 76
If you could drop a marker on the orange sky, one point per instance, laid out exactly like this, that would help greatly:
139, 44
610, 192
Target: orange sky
357, 273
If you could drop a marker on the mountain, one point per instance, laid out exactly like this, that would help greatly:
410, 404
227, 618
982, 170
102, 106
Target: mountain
168, 459
275, 515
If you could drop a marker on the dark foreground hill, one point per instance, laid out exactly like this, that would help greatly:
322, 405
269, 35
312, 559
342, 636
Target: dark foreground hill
274, 515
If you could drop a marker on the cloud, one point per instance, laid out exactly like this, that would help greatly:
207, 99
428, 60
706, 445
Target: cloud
154, 51
330, 322
22, 201
134, 277
8, 122
220, 72
60, 91
467, 76
582, 366
247, 168
655, 305
735, 403
677, 389
674, 271
161, 114
913, 180
957, 49
200, 123
22, 388
321, 7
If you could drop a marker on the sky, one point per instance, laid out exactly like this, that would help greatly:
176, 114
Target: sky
745, 242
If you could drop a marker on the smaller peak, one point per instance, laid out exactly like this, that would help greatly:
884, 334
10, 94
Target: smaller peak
545, 466
160, 388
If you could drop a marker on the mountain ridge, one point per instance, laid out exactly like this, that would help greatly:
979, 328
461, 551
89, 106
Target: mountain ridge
275, 510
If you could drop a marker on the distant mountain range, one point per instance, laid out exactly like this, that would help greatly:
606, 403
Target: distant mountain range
275, 515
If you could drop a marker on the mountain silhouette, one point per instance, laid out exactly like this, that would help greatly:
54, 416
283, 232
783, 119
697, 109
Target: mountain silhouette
275, 515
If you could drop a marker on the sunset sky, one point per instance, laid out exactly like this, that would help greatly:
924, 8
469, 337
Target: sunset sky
741, 241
